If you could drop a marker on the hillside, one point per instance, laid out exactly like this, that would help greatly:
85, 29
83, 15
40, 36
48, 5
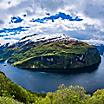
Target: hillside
59, 54
11, 93
50, 52
26, 43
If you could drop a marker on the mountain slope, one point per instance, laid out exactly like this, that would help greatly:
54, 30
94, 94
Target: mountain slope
64, 53
50, 52
27, 43
11, 93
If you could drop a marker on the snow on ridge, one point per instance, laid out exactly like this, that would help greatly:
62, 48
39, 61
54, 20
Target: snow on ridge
43, 37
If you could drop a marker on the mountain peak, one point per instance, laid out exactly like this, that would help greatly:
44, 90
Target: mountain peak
45, 37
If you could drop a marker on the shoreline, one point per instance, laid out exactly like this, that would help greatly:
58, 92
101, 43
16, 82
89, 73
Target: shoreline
87, 69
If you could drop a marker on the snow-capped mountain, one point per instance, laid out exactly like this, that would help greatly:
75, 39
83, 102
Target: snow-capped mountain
31, 41
45, 37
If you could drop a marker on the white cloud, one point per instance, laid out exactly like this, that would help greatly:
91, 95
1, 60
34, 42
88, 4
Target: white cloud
91, 11
94, 42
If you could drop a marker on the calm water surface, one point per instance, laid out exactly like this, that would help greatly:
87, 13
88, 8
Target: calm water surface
45, 82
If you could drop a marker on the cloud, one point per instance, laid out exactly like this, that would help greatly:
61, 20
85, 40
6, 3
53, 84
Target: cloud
94, 42
94, 9
12, 31
1, 22
91, 11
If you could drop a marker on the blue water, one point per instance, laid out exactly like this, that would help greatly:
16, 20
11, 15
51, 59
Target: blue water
45, 82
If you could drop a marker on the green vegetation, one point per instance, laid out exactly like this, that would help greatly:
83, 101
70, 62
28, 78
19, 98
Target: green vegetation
8, 100
6, 53
73, 95
11, 93
55, 48
65, 54
10, 90
59, 54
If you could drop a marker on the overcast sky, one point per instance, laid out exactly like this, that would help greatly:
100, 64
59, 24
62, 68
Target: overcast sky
91, 11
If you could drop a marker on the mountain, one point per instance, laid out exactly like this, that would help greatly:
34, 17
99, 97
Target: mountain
55, 51
26, 43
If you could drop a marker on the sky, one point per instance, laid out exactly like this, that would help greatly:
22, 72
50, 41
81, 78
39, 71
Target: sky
81, 19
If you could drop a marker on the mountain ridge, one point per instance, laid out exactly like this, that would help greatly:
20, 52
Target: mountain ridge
51, 52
